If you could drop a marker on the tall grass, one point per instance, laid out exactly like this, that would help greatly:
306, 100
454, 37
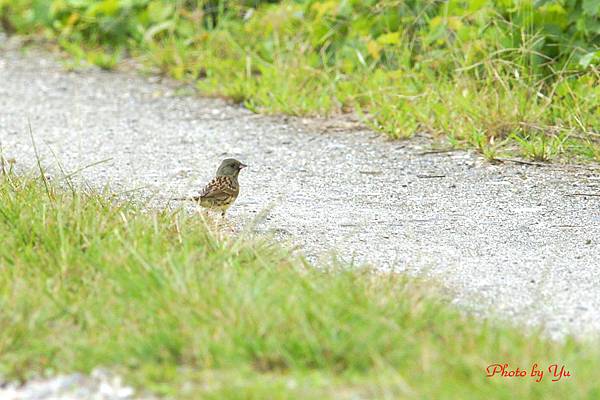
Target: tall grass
180, 310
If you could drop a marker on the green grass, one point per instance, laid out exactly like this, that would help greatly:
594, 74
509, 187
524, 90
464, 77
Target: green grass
182, 310
517, 76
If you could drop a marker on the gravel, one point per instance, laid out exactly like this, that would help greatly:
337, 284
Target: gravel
506, 240
99, 385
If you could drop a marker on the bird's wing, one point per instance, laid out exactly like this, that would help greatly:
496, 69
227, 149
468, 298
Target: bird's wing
219, 188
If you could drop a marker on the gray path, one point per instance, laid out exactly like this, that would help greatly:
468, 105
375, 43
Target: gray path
500, 236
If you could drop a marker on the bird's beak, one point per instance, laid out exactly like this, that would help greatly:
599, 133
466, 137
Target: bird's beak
243, 166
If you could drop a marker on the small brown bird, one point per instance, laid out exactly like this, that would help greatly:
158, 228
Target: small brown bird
223, 189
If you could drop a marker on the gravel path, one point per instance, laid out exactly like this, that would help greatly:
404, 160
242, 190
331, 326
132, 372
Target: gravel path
99, 385
505, 239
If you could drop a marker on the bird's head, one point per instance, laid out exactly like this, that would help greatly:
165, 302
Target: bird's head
230, 167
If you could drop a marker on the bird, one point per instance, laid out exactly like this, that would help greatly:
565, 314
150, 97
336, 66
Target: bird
222, 190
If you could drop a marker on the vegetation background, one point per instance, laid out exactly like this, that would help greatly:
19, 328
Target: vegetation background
507, 75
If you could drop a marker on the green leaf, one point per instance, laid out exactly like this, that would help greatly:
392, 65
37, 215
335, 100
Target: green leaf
589, 59
156, 29
591, 7
389, 38
159, 11
106, 7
